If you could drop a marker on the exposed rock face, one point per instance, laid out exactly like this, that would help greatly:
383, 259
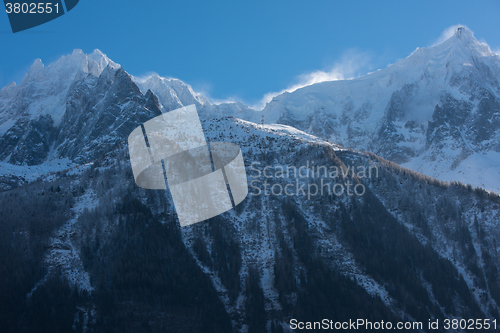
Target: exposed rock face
99, 115
93, 109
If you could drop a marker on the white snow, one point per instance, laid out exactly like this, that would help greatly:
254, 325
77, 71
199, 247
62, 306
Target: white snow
31, 173
354, 110
478, 169
44, 88
64, 254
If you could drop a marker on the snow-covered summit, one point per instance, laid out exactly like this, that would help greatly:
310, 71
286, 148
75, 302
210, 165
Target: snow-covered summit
466, 37
68, 66
172, 93
462, 51
433, 110
80, 105
44, 88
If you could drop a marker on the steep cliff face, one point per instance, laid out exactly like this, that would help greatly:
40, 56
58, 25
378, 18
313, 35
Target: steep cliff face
75, 109
83, 104
98, 116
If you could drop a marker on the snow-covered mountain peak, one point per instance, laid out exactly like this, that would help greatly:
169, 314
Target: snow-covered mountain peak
432, 67
37, 65
43, 93
464, 39
97, 61
400, 112
434, 108
464, 33
462, 51
172, 93
64, 71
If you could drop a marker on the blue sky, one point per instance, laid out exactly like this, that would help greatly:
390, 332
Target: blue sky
245, 49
